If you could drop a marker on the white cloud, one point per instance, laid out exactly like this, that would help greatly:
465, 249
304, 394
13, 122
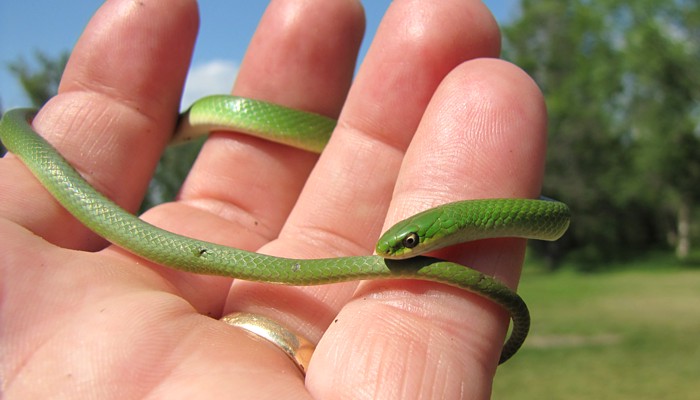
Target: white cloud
212, 77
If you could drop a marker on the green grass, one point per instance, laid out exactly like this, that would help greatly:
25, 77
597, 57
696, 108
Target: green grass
629, 334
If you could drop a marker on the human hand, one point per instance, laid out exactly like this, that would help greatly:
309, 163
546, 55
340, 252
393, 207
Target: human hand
425, 122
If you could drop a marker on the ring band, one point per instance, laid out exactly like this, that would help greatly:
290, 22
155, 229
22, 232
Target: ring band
295, 346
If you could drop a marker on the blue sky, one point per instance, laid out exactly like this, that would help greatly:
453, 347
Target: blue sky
27, 26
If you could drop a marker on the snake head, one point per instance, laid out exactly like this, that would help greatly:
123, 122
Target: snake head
399, 242
426, 231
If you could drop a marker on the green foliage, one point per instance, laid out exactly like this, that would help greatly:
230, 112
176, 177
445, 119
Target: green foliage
39, 82
624, 150
172, 169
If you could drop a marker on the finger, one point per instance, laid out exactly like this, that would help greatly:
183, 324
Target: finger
290, 64
114, 112
499, 148
241, 189
483, 135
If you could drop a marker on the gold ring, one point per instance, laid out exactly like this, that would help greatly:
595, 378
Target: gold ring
295, 346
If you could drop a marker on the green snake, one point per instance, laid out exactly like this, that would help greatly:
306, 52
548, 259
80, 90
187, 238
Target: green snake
397, 250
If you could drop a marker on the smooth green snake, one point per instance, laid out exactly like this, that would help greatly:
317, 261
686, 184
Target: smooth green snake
398, 249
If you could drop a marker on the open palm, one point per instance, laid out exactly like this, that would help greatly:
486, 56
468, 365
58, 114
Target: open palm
427, 120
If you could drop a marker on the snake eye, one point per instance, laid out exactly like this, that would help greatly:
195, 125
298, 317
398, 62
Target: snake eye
410, 241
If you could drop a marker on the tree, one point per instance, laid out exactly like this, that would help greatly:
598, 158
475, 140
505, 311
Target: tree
40, 83
172, 169
604, 133
662, 53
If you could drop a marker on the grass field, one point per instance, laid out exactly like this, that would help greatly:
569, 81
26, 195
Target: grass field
628, 334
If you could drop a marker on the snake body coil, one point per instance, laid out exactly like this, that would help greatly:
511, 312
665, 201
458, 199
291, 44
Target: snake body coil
467, 220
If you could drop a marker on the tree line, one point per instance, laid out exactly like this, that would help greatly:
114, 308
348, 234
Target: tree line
623, 95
